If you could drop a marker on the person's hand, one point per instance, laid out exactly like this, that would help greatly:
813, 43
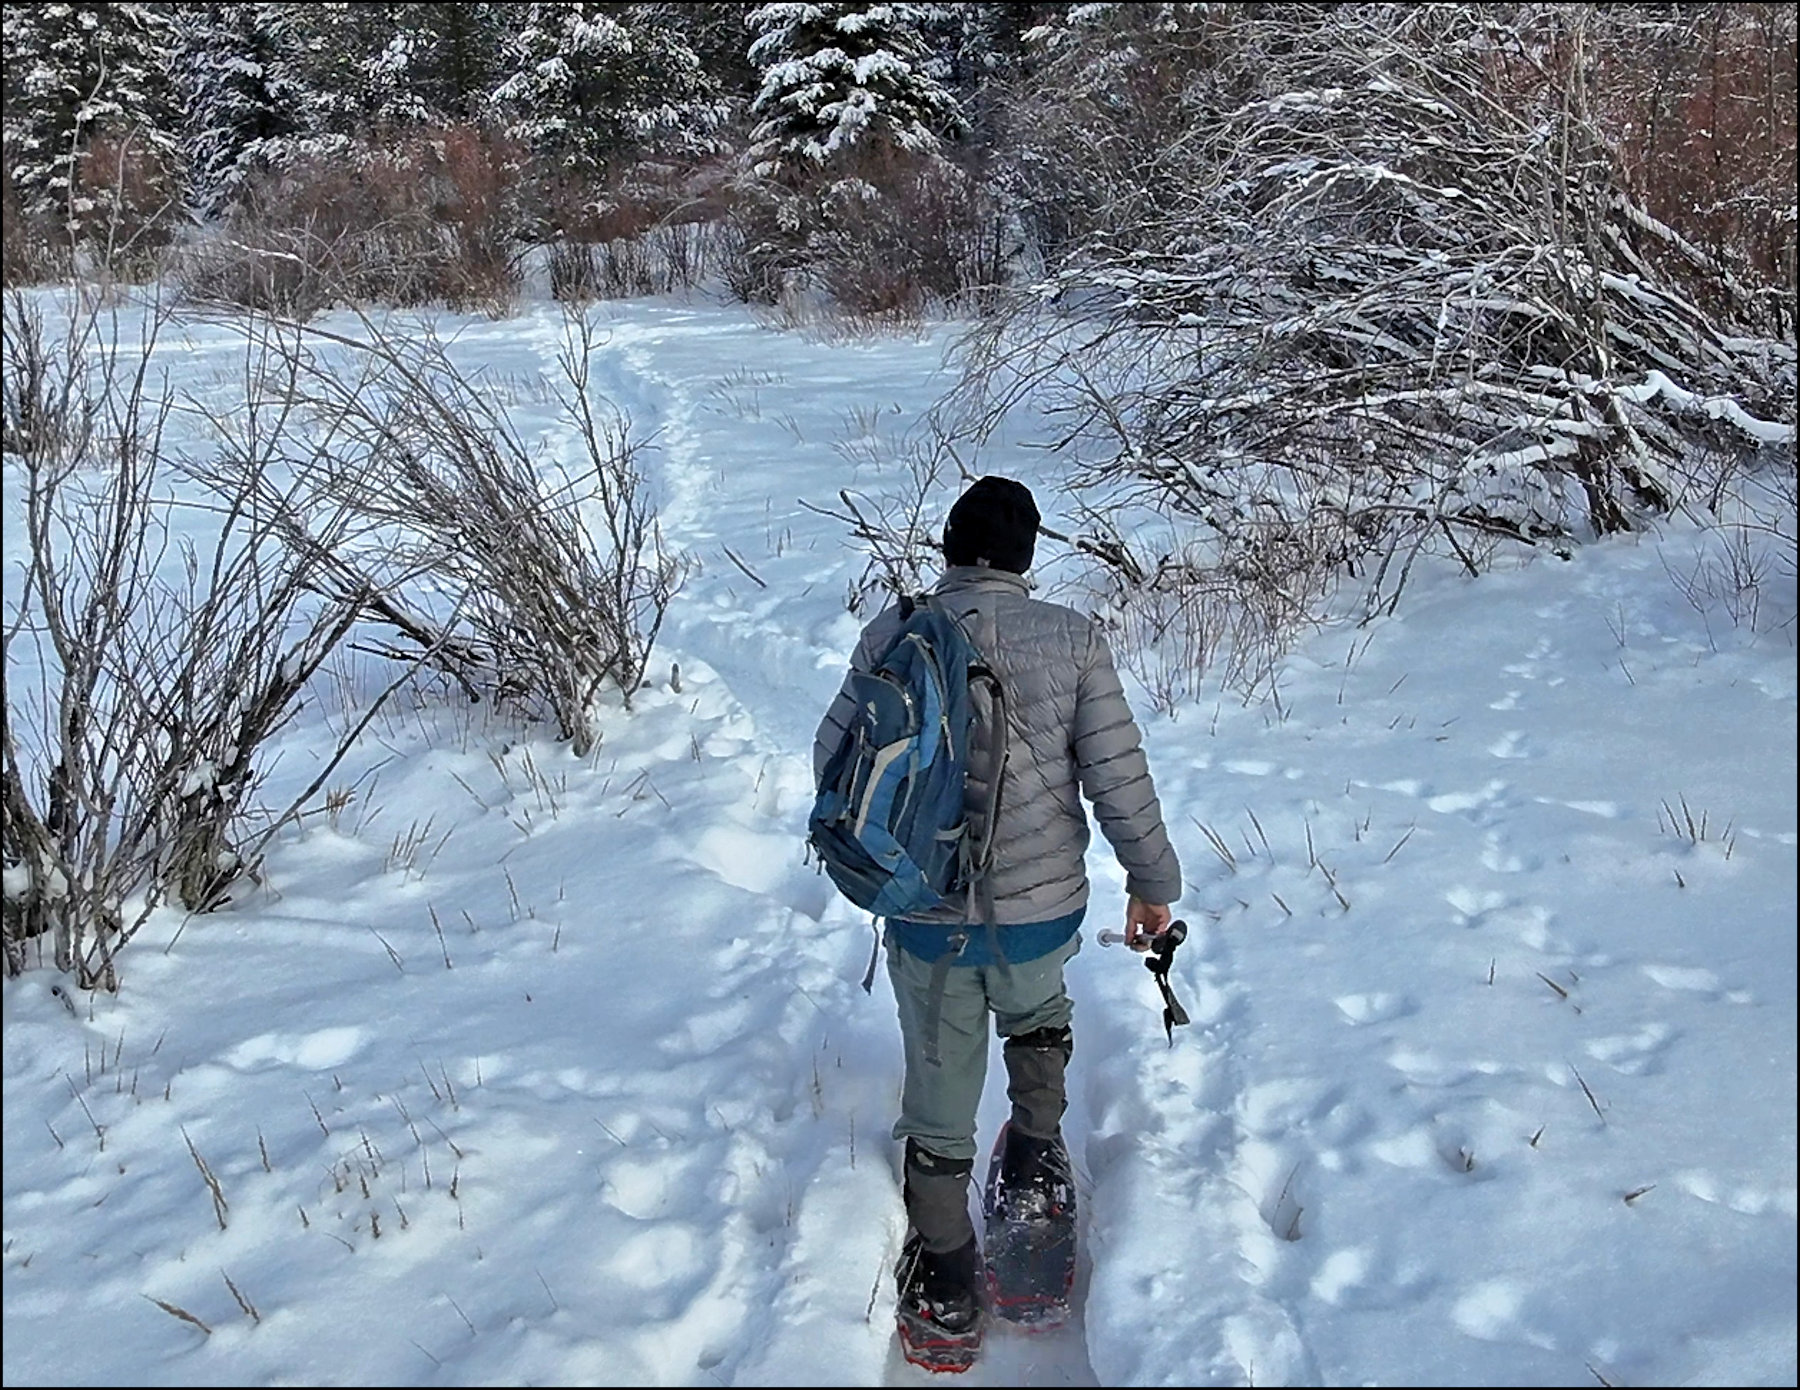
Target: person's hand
1144, 921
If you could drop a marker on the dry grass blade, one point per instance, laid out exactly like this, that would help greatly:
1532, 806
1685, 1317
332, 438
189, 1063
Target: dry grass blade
1291, 1232
749, 573
393, 955
1331, 879
220, 1206
1588, 1092
438, 927
1261, 834
242, 1302
181, 1313
1219, 847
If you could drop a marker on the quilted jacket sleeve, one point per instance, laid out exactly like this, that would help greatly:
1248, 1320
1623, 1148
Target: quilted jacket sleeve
1115, 778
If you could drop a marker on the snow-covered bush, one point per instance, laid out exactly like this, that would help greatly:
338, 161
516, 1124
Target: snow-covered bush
149, 661
1699, 101
1354, 305
900, 233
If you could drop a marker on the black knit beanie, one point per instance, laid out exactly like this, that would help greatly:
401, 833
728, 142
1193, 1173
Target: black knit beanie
994, 523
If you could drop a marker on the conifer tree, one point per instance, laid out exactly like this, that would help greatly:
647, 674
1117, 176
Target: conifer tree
840, 77
592, 87
75, 73
720, 38
348, 68
239, 106
983, 47
452, 59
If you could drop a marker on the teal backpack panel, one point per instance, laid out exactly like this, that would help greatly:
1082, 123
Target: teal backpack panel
888, 823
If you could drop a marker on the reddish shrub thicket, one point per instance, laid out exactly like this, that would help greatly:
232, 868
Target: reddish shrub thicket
120, 216
33, 249
126, 207
882, 233
1706, 124
1698, 105
424, 219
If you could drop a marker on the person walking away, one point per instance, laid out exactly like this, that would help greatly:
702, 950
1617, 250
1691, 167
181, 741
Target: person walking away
1068, 735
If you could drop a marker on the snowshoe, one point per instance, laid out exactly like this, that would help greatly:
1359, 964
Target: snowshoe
1029, 1203
939, 1308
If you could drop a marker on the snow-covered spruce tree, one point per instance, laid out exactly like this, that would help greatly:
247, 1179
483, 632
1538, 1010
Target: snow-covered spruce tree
842, 78
306, 79
89, 124
372, 71
851, 187
1379, 303
452, 56
594, 90
352, 71
239, 108
983, 48
718, 35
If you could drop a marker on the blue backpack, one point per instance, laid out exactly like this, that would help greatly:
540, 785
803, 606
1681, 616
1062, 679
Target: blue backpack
888, 822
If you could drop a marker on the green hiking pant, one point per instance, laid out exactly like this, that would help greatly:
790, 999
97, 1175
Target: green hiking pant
939, 1099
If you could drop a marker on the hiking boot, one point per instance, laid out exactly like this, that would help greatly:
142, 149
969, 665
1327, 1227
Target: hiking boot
939, 1310
1035, 1180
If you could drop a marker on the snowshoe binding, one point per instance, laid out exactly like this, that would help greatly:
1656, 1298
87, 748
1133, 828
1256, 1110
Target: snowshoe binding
1030, 1207
939, 1309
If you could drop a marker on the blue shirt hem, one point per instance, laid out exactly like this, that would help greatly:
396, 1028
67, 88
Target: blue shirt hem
1019, 941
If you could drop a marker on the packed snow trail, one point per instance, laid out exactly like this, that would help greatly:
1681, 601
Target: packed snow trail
1216, 1174
1162, 1146
731, 443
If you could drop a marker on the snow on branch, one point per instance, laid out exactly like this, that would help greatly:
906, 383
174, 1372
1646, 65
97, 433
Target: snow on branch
1353, 276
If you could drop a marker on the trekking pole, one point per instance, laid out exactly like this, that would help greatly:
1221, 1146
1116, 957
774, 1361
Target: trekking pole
1161, 956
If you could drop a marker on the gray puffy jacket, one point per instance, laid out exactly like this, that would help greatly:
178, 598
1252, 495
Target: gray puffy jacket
1069, 734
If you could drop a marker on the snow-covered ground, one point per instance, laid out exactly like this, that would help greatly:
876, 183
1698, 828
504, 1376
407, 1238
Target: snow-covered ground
533, 1070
